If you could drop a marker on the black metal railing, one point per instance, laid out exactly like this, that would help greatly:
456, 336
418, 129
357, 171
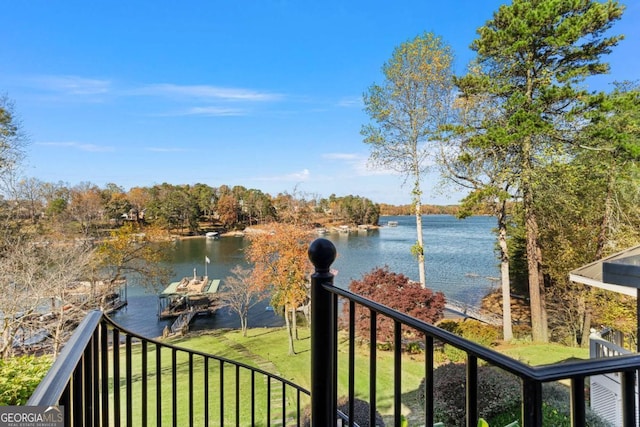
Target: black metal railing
324, 356
107, 376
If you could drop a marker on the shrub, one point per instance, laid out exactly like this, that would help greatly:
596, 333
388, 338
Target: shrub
499, 398
557, 407
471, 330
497, 392
479, 332
395, 291
360, 409
19, 377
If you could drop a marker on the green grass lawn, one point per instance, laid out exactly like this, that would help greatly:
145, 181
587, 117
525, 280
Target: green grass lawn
267, 348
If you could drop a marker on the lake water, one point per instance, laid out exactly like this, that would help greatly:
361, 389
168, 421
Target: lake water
460, 261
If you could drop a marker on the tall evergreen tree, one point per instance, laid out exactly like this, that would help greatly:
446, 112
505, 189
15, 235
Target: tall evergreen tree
533, 56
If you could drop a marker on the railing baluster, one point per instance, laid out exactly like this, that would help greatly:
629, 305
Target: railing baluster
65, 401
372, 367
577, 402
531, 403
428, 380
145, 386
284, 405
115, 345
87, 385
129, 385
472, 390
397, 372
104, 369
174, 387
268, 401
237, 396
77, 393
221, 375
95, 343
158, 385
628, 379
191, 389
206, 391
253, 398
352, 360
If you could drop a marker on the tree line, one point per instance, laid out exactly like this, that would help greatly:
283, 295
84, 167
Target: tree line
86, 208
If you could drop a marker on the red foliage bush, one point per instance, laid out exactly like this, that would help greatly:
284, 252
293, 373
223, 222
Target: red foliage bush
398, 292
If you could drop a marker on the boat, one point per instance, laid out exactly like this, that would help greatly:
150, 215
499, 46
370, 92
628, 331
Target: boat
392, 223
344, 229
212, 235
321, 231
195, 294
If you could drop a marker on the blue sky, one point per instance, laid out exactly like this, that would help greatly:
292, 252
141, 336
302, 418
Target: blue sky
265, 94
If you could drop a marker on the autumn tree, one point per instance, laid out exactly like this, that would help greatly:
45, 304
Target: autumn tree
133, 253
139, 199
115, 202
205, 199
228, 210
531, 58
241, 293
85, 206
281, 264
173, 207
395, 291
406, 112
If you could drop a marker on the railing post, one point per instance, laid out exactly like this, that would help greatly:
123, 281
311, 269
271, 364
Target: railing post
322, 253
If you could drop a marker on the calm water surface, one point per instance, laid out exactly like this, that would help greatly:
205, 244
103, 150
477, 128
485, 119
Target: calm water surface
460, 261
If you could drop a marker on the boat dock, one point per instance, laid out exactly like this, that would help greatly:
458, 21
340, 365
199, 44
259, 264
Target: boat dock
191, 295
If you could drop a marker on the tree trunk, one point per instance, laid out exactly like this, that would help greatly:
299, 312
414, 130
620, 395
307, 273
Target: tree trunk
606, 215
536, 283
243, 324
292, 350
419, 248
507, 331
294, 323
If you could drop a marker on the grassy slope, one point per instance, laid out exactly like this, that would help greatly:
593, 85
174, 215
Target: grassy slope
269, 345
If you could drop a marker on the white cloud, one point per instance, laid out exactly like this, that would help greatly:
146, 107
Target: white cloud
359, 164
303, 175
214, 111
72, 85
350, 101
165, 149
205, 91
78, 146
341, 156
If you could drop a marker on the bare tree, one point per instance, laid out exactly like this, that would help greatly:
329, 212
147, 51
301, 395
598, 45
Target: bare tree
242, 293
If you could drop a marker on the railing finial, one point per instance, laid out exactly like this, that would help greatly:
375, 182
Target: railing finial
322, 253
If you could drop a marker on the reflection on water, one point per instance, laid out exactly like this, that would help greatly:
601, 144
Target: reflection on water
460, 261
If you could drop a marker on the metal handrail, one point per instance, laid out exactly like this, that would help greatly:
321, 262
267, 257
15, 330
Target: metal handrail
80, 379
324, 333
50, 390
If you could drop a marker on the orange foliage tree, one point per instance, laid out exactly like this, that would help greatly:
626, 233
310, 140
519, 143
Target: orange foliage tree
279, 256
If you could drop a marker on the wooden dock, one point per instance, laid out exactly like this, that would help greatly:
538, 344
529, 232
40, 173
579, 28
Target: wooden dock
181, 324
